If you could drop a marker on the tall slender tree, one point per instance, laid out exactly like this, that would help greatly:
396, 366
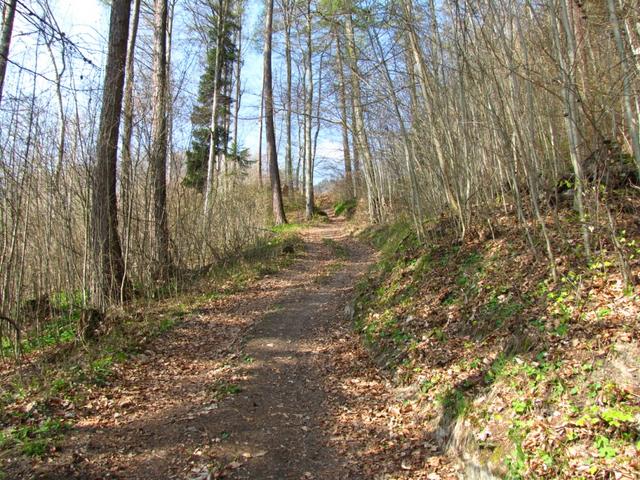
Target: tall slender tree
308, 112
158, 160
211, 132
349, 177
109, 282
272, 150
220, 30
287, 14
126, 184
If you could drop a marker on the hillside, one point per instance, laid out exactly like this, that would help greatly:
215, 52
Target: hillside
512, 374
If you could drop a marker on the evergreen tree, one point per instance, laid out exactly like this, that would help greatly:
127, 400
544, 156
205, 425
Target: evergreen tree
196, 173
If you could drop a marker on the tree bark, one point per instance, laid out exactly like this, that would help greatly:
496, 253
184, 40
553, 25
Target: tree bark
349, 178
287, 55
308, 111
261, 120
360, 135
9, 15
571, 112
272, 152
126, 177
238, 89
108, 280
158, 160
626, 83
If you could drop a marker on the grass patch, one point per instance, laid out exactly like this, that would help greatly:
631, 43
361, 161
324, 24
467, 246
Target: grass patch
57, 331
287, 228
33, 440
392, 240
345, 207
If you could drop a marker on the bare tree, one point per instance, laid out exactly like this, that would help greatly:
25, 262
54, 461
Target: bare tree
158, 160
126, 187
308, 112
272, 150
350, 178
108, 276
287, 12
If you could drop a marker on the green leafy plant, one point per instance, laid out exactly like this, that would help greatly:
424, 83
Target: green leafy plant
345, 207
521, 406
616, 417
223, 389
426, 386
603, 445
516, 463
33, 440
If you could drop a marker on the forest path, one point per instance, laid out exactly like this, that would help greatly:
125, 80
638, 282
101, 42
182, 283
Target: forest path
192, 407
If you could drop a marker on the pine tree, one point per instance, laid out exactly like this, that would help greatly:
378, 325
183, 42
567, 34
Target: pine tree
196, 174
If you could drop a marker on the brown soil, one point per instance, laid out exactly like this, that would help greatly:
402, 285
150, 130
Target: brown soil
247, 389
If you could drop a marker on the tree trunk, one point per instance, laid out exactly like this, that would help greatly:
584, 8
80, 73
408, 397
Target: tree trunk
287, 55
261, 120
108, 280
360, 134
571, 113
9, 14
308, 110
349, 178
211, 161
158, 160
238, 89
272, 152
126, 177
626, 83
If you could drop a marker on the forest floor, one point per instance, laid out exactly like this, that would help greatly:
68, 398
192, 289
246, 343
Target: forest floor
270, 382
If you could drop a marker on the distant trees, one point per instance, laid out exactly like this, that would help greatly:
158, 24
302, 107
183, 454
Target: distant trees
456, 112
221, 56
462, 109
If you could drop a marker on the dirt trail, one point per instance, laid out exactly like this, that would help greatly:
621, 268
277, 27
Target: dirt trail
192, 408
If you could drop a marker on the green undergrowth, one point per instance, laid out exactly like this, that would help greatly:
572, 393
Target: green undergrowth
345, 207
41, 402
287, 228
539, 372
35, 439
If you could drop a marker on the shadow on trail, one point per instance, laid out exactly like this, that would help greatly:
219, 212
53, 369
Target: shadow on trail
264, 420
